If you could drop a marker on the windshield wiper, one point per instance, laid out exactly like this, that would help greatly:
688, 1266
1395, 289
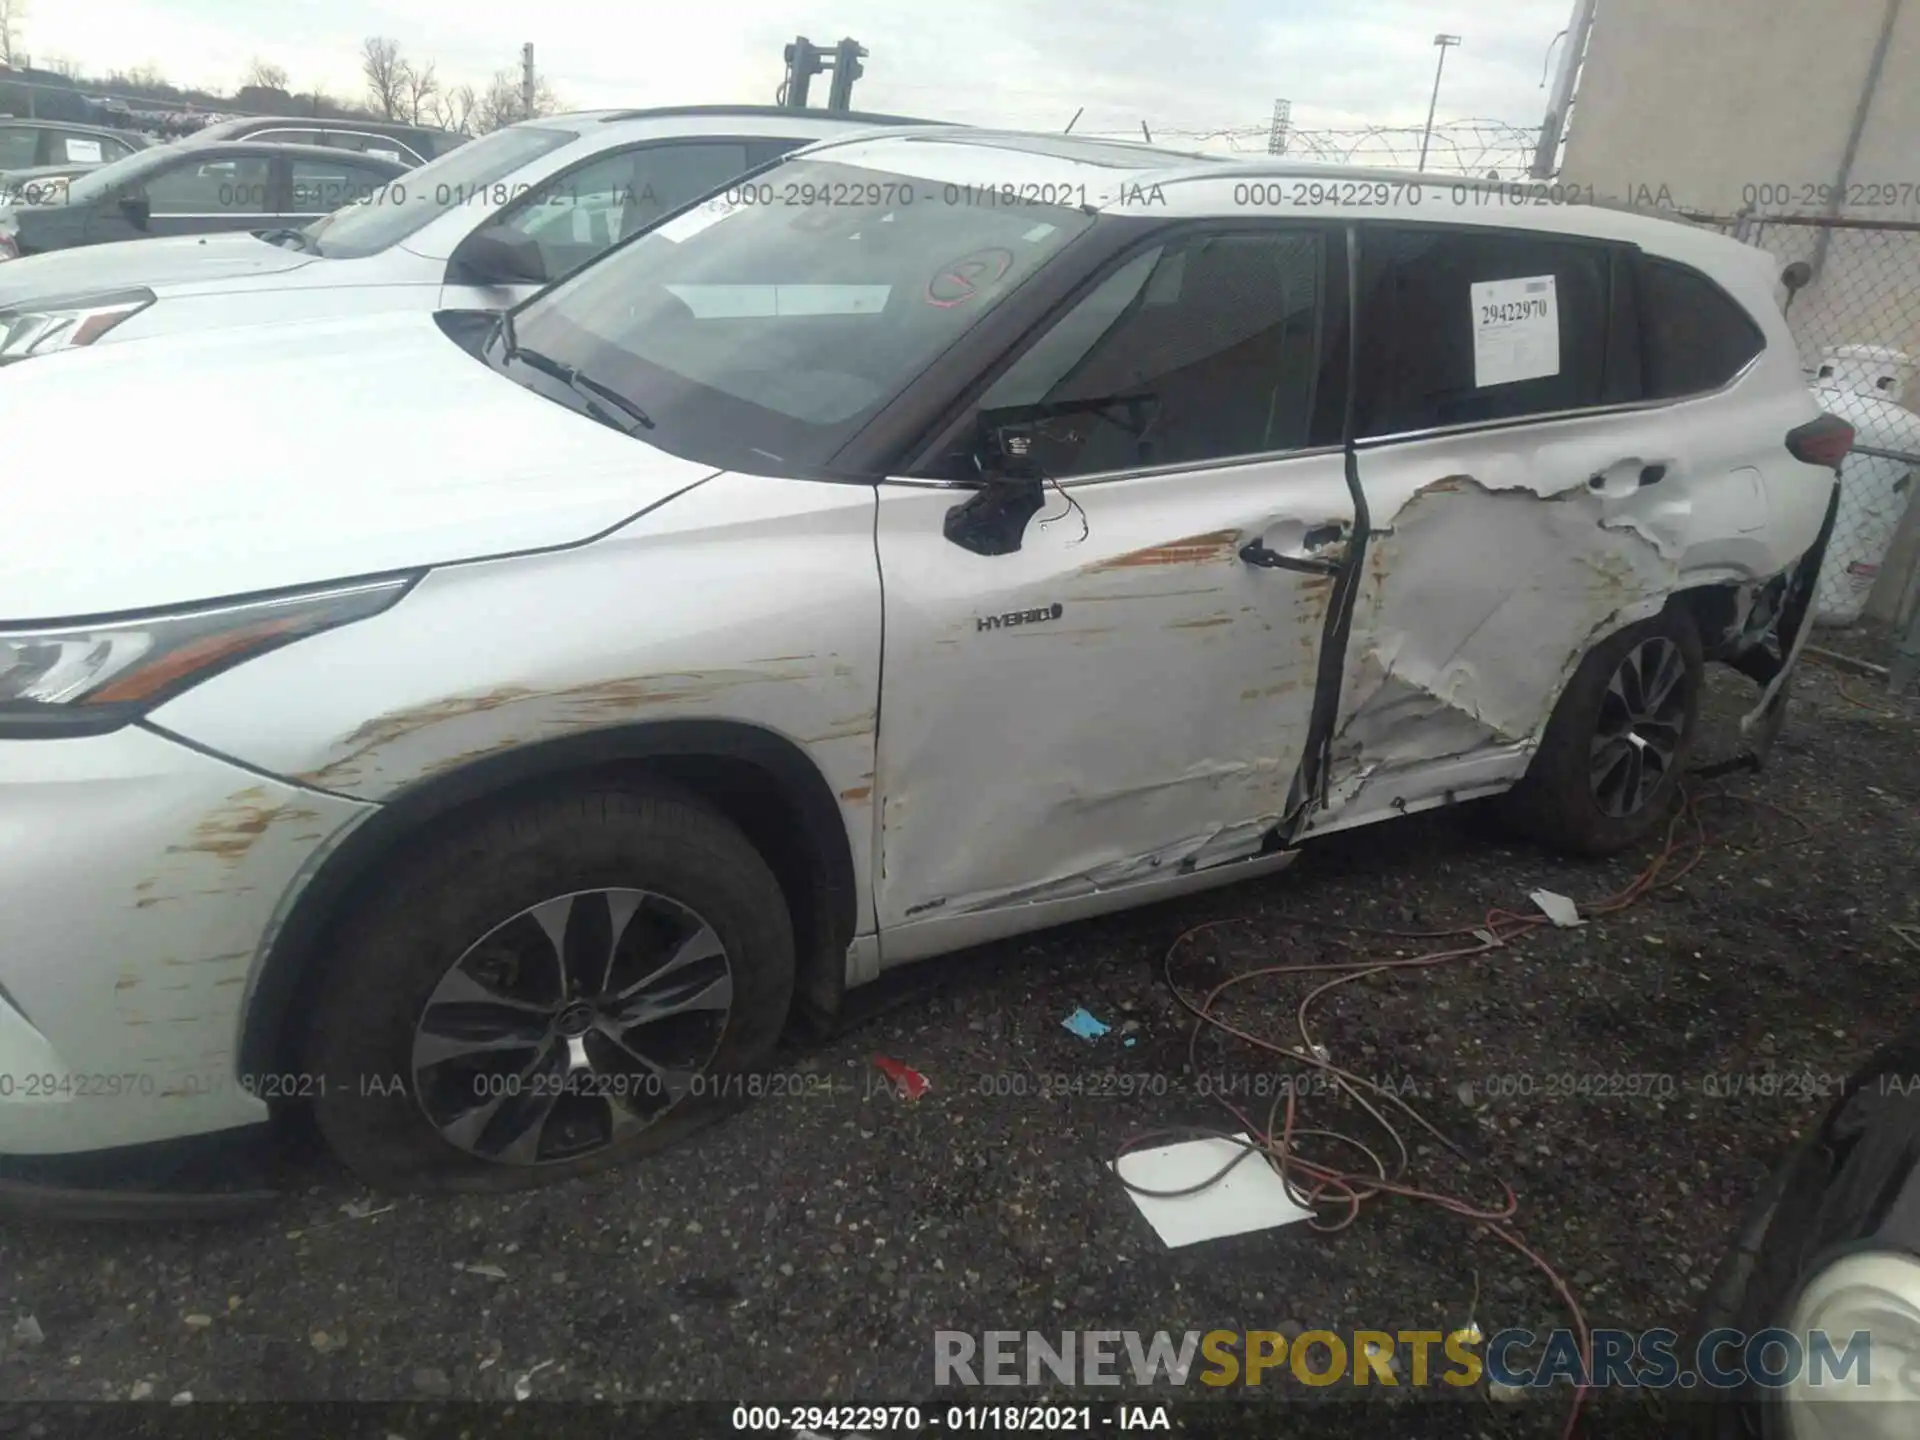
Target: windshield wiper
585, 386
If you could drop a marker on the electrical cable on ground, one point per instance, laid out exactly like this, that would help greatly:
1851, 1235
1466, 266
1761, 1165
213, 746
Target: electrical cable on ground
1318, 1183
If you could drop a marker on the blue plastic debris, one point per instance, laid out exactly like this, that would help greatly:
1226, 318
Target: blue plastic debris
1084, 1025
1128, 1042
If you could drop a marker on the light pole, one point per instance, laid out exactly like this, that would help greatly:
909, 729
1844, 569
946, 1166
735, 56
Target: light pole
1443, 41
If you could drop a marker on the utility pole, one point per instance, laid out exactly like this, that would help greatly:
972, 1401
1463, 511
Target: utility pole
846, 69
526, 81
1546, 155
806, 60
1445, 42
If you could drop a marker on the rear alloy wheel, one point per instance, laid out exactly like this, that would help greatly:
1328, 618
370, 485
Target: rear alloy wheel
1614, 750
564, 984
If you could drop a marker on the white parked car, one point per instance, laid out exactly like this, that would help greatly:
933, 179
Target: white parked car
488, 735
482, 227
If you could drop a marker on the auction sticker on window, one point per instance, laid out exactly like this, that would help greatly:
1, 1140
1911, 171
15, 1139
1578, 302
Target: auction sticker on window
685, 227
1516, 330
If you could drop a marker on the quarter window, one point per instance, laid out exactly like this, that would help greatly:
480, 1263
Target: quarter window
1200, 350
1461, 326
1694, 337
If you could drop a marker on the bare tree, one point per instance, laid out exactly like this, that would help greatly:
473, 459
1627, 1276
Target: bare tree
453, 109
501, 103
380, 62
12, 13
62, 65
147, 77
419, 89
265, 76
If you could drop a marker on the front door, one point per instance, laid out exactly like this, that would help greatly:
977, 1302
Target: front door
1128, 694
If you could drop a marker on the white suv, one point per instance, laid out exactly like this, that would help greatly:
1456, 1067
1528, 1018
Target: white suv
482, 227
488, 735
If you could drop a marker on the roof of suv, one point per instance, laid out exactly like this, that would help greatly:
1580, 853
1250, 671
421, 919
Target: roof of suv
1152, 180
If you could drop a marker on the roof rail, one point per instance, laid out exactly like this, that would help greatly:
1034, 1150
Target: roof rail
856, 116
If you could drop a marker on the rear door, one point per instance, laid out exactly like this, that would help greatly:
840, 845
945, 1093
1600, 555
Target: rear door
1128, 695
1524, 503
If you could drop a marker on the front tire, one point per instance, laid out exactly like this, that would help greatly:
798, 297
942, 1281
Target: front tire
1610, 762
562, 985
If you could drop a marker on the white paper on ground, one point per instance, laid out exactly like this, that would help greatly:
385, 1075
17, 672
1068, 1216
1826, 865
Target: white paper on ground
1516, 330
1251, 1196
1557, 908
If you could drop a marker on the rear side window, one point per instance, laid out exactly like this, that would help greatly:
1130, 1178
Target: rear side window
1461, 327
1693, 336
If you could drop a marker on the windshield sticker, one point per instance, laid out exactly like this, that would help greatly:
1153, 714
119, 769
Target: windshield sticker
963, 279
1516, 330
1038, 233
685, 227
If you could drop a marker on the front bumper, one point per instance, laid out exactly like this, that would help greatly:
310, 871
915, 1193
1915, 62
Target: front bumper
140, 884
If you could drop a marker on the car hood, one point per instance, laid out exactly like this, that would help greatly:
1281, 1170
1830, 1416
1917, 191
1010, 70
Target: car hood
218, 464
166, 261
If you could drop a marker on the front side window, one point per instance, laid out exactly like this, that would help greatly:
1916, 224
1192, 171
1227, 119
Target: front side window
231, 185
763, 336
1200, 350
575, 216
475, 174
1461, 327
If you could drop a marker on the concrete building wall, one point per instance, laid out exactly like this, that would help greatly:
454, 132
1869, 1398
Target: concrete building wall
1744, 107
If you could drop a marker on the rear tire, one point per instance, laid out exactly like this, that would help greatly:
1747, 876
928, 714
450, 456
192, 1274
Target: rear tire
556, 968
1610, 762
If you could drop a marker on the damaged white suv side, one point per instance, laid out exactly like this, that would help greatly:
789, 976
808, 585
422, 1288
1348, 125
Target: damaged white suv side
934, 537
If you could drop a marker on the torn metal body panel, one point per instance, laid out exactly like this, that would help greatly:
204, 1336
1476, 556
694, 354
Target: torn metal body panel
101, 1050
1496, 564
1151, 726
702, 639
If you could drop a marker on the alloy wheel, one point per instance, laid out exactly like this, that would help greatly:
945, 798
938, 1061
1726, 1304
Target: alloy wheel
1643, 717
572, 1026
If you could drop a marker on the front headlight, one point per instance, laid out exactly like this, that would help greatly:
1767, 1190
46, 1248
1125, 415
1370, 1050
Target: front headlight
40, 327
92, 677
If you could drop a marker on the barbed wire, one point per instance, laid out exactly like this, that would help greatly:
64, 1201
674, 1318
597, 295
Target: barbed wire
1459, 147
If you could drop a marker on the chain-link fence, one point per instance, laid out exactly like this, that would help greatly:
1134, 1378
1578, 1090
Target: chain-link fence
1852, 298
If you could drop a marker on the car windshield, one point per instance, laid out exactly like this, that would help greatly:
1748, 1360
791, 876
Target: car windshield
761, 330
105, 179
409, 203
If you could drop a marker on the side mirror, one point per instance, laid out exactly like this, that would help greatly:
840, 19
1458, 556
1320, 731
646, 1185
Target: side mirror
137, 208
994, 520
1796, 276
496, 255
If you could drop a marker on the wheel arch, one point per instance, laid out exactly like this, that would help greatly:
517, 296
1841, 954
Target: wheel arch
763, 782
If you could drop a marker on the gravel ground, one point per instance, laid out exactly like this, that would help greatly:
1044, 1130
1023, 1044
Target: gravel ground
809, 1247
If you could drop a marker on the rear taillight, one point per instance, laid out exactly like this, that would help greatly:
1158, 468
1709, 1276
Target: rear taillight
1825, 441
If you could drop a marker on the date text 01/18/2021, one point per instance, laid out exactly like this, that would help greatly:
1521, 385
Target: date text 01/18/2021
803, 1421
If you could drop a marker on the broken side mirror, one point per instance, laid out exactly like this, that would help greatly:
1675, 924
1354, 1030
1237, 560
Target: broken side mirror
1012, 490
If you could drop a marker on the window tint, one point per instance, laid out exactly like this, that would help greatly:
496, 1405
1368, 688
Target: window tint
235, 185
1694, 337
323, 186
1207, 348
1443, 343
666, 177
762, 152
19, 148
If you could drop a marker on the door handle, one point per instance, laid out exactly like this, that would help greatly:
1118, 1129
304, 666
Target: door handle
1617, 475
1652, 475
1297, 556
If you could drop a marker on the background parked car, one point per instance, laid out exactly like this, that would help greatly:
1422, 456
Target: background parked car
1832, 1243
25, 144
194, 188
411, 145
478, 229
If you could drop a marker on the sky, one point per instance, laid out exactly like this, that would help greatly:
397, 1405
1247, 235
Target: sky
1192, 66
